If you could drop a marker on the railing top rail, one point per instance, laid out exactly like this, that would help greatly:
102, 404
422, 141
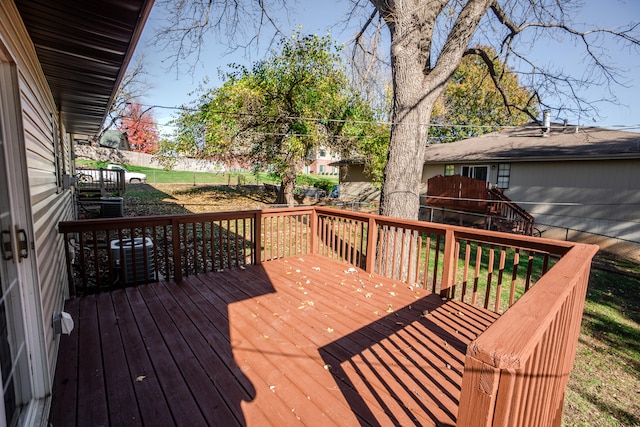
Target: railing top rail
288, 209
149, 221
555, 247
477, 235
511, 340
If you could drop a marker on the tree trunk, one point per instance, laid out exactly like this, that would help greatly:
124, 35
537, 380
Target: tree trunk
413, 102
417, 84
288, 184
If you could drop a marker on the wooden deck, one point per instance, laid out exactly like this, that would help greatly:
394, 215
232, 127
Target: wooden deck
295, 340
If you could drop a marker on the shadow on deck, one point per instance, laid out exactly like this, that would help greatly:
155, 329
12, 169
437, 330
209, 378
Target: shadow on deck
291, 340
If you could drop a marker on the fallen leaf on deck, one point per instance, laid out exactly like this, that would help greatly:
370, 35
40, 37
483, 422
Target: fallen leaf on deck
305, 303
272, 388
316, 268
368, 295
329, 329
140, 378
393, 294
389, 308
327, 367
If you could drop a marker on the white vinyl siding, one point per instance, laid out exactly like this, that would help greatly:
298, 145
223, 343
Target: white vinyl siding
49, 204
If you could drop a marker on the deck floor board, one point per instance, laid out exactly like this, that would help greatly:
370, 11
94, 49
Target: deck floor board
302, 339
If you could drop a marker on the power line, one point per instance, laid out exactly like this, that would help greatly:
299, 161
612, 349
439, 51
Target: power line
386, 123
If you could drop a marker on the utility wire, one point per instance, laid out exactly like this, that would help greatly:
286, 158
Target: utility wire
387, 123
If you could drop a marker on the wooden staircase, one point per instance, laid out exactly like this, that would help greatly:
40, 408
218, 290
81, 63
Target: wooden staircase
505, 215
459, 193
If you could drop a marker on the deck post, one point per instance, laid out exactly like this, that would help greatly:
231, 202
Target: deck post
257, 238
177, 254
478, 394
372, 236
447, 268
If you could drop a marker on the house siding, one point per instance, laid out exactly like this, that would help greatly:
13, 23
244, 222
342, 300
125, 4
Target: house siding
594, 196
49, 203
355, 185
598, 196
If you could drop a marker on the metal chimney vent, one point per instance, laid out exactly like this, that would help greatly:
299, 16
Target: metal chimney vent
546, 123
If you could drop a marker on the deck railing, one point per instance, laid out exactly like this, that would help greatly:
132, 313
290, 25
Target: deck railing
101, 181
515, 372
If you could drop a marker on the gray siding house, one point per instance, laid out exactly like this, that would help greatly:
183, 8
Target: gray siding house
60, 64
578, 178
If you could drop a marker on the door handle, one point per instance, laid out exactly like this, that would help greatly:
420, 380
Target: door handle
6, 247
23, 244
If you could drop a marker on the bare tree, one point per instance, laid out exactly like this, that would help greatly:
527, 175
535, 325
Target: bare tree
134, 86
428, 41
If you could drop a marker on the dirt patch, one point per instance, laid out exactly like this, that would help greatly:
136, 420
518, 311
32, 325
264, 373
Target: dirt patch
161, 199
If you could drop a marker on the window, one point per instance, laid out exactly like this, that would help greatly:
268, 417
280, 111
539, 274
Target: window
323, 152
504, 173
322, 169
449, 170
477, 172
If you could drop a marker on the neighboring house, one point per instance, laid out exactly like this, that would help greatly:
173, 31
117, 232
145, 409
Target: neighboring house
577, 178
60, 64
320, 162
115, 139
354, 183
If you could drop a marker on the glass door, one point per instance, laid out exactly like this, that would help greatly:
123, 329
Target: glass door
13, 350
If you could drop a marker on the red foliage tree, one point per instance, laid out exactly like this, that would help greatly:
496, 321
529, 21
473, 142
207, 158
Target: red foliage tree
141, 128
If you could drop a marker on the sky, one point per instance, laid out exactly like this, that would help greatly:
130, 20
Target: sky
170, 89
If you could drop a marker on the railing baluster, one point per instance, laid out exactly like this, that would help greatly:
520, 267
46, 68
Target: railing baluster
514, 276
501, 265
487, 295
435, 264
476, 277
465, 273
427, 252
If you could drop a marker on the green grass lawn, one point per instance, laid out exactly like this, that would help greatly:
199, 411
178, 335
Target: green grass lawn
604, 388
231, 178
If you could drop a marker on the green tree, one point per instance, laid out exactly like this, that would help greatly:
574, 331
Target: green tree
482, 96
428, 39
472, 104
276, 113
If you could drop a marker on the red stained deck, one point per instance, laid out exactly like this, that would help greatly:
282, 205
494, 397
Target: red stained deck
296, 340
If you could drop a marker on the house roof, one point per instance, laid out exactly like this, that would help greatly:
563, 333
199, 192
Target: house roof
113, 139
527, 143
84, 48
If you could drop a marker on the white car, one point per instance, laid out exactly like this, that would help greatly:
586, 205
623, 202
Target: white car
131, 177
109, 174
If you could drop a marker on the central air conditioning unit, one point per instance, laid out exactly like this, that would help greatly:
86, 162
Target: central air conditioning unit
133, 253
